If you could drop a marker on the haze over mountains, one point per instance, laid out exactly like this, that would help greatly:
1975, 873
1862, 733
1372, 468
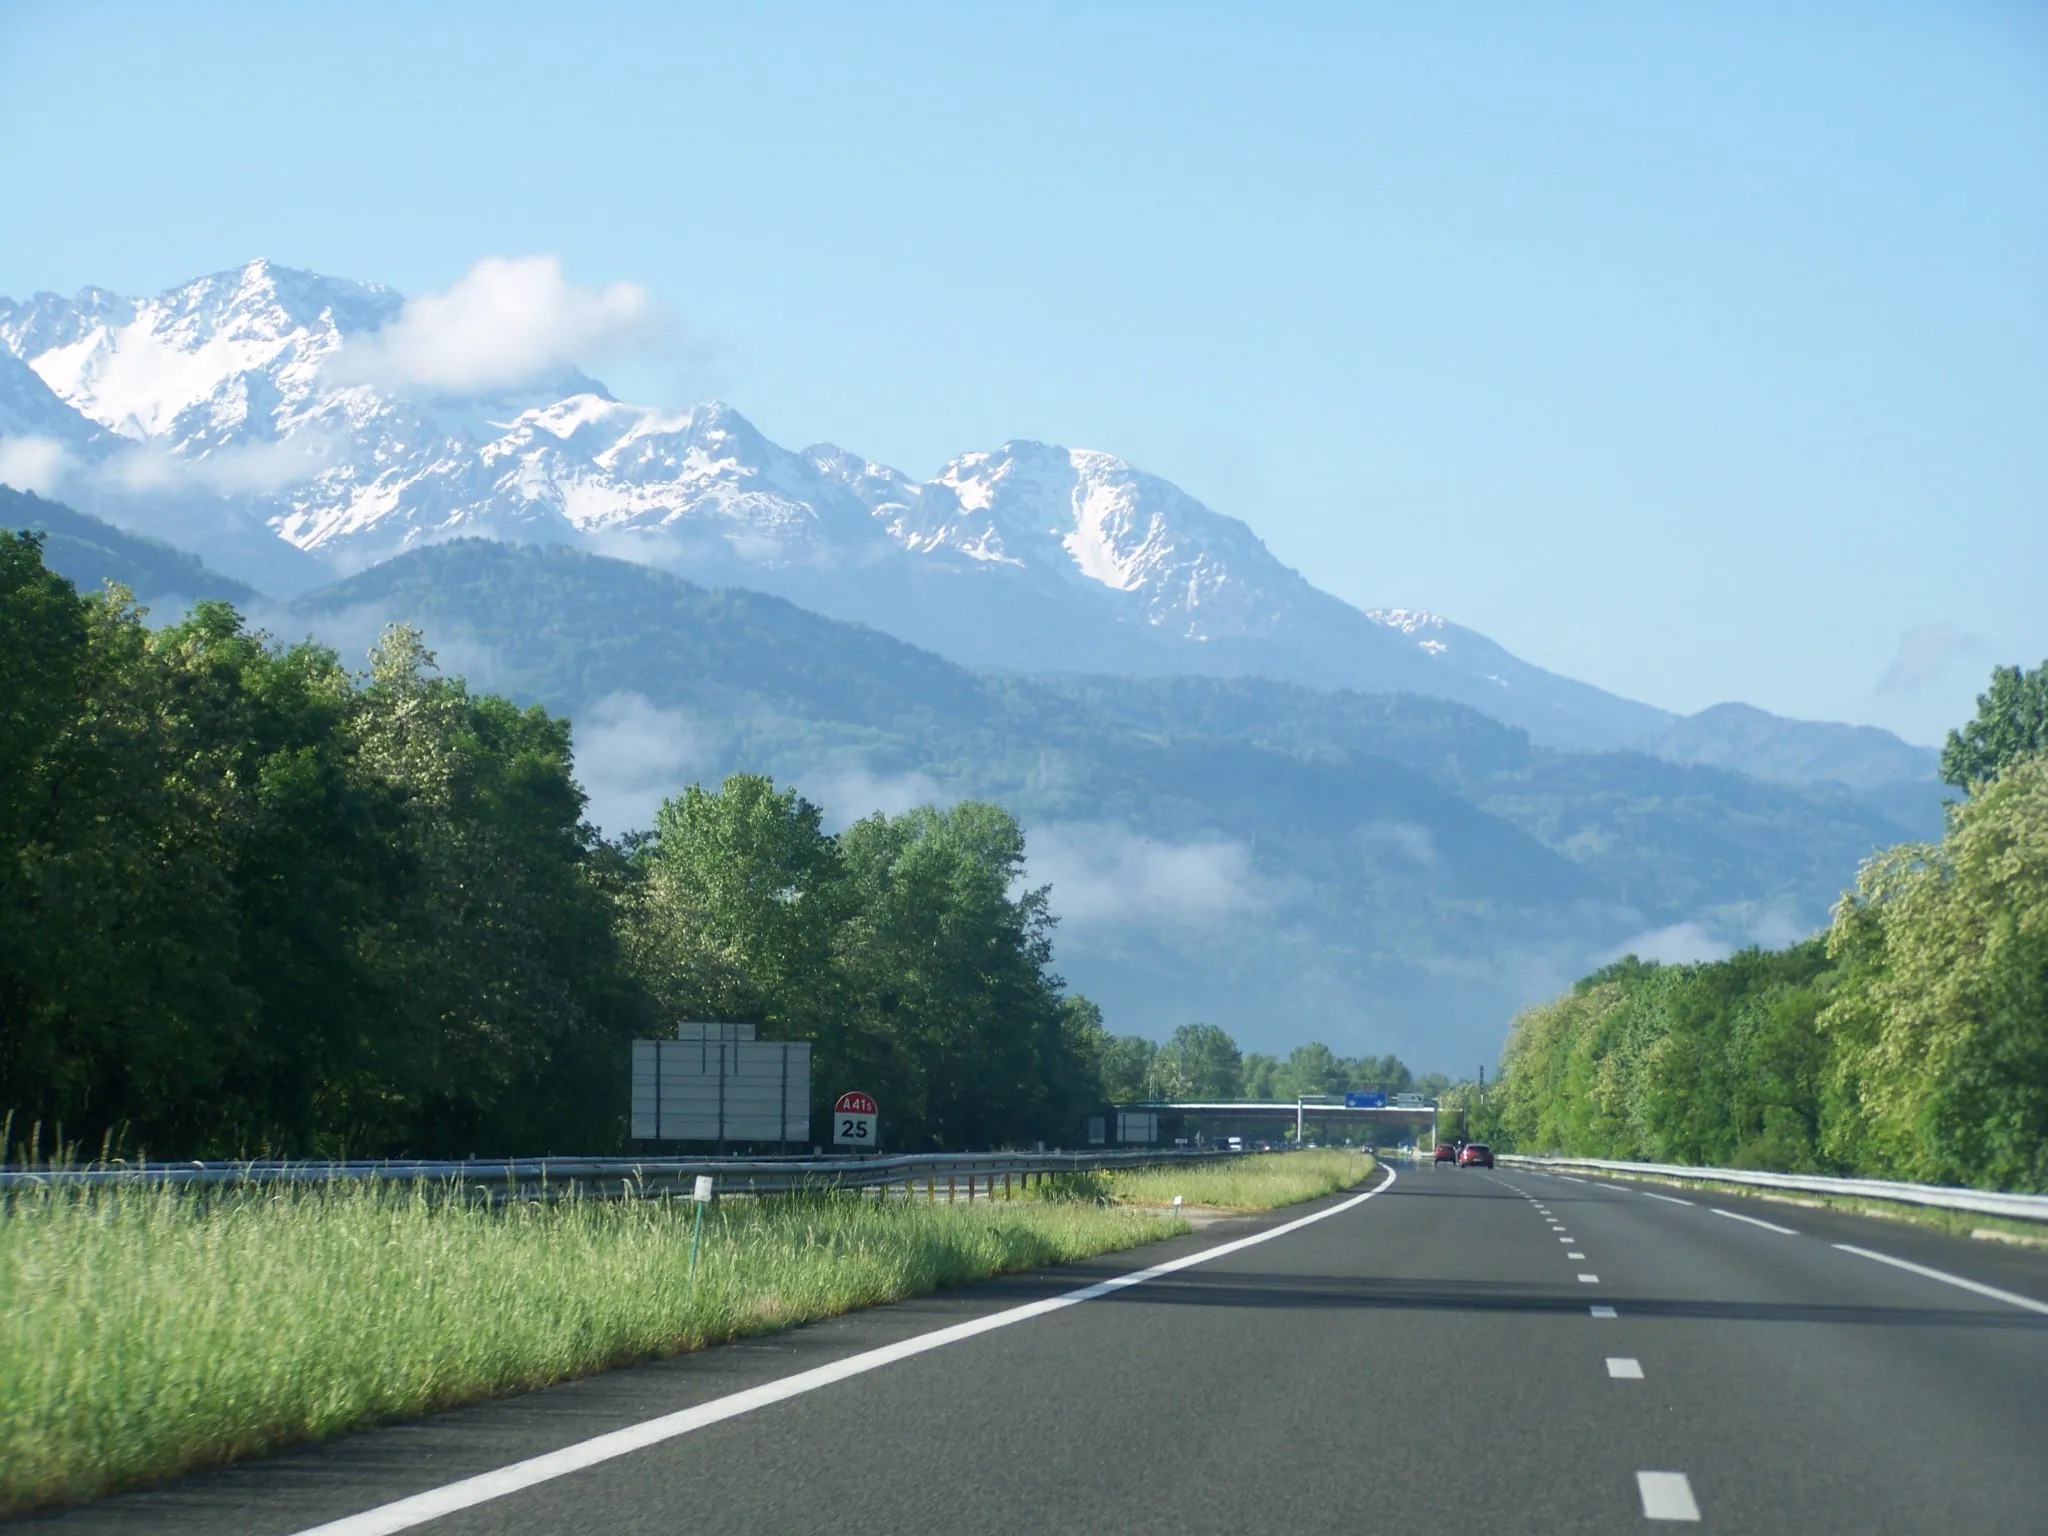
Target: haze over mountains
1242, 822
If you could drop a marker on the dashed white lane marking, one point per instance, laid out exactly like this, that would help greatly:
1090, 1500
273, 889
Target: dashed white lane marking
1567, 1239
1605, 1312
1667, 1199
1666, 1496
2011, 1298
1768, 1226
1569, 1179
404, 1514
1575, 1255
1589, 1279
1622, 1368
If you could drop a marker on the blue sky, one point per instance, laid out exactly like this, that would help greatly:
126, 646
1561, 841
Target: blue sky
1699, 352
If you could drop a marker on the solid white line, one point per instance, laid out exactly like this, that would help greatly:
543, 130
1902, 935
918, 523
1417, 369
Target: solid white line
1667, 1199
2010, 1297
1622, 1368
1605, 1312
404, 1514
1768, 1226
1589, 1279
1666, 1496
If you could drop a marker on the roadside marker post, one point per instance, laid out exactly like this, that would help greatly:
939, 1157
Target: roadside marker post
701, 1197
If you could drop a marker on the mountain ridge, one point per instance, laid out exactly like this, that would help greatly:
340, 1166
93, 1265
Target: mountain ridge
225, 416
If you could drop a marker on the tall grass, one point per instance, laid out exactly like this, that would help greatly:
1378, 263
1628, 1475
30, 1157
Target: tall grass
148, 1331
1241, 1184
144, 1332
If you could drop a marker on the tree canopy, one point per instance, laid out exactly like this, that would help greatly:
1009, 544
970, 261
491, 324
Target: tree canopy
1910, 1041
2011, 723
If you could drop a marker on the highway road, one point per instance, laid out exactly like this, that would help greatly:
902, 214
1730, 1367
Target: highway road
1457, 1351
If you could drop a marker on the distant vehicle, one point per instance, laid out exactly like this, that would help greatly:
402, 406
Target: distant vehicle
1446, 1153
1236, 1143
1476, 1154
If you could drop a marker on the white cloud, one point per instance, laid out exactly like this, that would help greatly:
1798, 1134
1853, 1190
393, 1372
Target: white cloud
1102, 872
1407, 839
506, 320
850, 793
1924, 655
632, 754
1679, 944
248, 468
37, 464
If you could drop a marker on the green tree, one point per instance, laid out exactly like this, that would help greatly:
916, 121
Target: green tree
1941, 1027
1128, 1074
1199, 1061
952, 968
2011, 723
1261, 1076
1311, 1068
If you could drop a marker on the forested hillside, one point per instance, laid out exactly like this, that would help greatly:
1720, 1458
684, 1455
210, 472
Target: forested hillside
252, 902
1911, 1041
1394, 872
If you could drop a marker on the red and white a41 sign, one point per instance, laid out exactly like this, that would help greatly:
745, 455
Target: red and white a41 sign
853, 1121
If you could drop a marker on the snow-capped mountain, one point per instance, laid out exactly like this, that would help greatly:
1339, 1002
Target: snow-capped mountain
226, 416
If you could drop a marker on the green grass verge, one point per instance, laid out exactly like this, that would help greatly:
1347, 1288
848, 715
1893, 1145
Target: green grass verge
145, 1333
1242, 1184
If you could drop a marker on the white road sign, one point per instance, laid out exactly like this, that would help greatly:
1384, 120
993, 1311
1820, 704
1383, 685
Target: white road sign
853, 1121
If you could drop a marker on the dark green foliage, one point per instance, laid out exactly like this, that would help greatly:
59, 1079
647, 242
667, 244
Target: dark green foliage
2011, 723
248, 902
898, 948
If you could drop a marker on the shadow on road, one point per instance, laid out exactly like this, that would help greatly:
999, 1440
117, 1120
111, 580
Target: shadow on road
1279, 1292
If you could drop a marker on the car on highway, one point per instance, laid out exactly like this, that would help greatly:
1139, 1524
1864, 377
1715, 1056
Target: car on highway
1477, 1154
1446, 1153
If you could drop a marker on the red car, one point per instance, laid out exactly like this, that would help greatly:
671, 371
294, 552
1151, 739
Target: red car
1477, 1154
1446, 1153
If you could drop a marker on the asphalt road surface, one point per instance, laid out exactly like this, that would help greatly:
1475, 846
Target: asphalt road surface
1436, 1357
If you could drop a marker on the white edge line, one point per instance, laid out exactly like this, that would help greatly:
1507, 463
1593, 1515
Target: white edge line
2010, 1297
1768, 1226
404, 1514
1667, 1199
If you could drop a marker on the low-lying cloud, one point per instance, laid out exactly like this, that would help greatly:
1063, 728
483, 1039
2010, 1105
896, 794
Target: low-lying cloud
850, 793
632, 754
1679, 944
1923, 657
1099, 872
244, 468
37, 464
507, 320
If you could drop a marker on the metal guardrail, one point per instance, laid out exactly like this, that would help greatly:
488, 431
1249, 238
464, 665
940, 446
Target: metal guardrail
624, 1176
1983, 1202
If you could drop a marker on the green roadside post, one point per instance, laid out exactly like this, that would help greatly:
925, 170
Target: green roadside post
702, 1197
